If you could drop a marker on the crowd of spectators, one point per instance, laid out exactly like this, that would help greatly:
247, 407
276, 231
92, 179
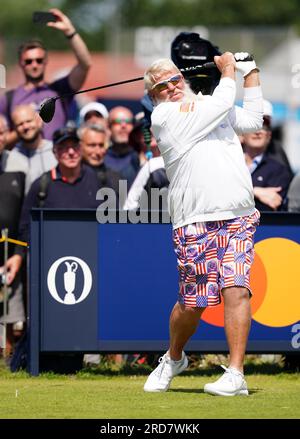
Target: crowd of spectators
65, 162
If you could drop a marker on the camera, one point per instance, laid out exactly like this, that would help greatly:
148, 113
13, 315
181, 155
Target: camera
41, 17
188, 49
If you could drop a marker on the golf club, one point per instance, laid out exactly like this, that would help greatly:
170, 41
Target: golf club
47, 108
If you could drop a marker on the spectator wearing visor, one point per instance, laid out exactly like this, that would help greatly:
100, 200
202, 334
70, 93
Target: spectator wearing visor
94, 113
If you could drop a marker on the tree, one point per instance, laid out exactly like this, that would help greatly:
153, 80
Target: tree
98, 20
210, 12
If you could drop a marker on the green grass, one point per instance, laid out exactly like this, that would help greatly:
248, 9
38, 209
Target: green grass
111, 394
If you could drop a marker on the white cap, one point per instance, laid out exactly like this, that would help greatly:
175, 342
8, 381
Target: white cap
268, 108
93, 106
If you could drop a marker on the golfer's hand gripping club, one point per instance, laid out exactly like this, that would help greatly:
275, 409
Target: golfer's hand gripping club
244, 63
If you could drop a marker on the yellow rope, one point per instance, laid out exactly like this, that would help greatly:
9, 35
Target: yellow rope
14, 241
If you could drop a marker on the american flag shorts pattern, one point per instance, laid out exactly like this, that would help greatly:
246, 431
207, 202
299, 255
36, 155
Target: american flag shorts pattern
214, 255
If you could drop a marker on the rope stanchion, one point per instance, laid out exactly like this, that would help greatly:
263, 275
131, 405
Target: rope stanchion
5, 291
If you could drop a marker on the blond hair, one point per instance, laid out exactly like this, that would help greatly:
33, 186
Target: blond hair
158, 67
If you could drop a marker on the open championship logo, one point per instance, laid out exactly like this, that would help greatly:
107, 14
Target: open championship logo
71, 264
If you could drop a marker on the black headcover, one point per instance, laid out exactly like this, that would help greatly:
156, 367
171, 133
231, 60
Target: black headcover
188, 49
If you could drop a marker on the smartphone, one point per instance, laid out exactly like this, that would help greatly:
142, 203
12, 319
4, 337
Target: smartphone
41, 17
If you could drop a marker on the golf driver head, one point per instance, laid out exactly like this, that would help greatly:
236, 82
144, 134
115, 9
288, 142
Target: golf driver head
47, 109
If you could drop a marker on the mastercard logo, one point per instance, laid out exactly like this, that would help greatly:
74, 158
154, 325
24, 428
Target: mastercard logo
275, 285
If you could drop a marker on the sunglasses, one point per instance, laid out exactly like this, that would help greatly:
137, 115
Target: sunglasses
29, 61
65, 147
163, 85
119, 120
94, 145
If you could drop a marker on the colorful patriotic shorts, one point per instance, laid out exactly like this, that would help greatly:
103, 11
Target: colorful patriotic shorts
214, 255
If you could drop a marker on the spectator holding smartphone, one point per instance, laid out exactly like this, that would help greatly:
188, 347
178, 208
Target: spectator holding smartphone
33, 61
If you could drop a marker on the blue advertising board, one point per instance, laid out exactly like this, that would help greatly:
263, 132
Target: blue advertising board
110, 287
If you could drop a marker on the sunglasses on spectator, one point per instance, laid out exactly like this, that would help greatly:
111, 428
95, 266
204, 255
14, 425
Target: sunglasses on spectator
65, 147
163, 85
119, 120
94, 145
29, 61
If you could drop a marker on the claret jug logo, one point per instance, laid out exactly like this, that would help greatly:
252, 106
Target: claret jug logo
69, 280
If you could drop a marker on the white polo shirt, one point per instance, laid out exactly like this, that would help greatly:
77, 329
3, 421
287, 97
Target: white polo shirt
205, 164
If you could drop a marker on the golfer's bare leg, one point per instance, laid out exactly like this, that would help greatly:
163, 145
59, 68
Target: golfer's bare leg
237, 323
183, 324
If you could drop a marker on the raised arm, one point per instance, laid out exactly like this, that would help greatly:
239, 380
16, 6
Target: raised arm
79, 72
250, 117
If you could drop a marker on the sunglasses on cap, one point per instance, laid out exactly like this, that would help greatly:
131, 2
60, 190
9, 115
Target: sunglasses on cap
163, 85
119, 120
29, 61
63, 147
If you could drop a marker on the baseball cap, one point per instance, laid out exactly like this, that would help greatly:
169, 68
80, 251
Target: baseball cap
93, 106
267, 114
268, 108
63, 134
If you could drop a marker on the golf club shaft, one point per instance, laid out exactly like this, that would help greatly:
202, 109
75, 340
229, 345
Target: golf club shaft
99, 87
208, 65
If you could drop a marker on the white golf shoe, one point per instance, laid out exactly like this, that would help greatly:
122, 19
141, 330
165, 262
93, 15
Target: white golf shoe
160, 379
231, 383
